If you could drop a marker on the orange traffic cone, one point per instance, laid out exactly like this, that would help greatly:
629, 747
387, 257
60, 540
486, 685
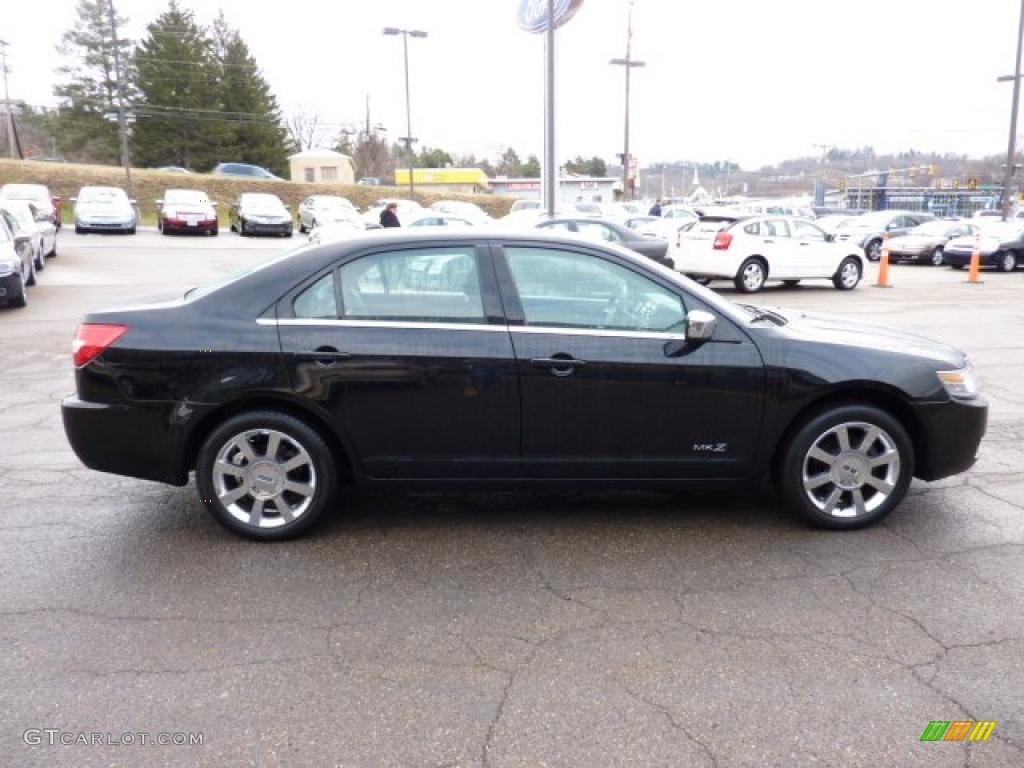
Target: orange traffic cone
883, 266
972, 276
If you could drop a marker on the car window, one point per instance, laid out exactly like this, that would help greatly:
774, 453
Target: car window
5, 231
565, 289
775, 228
596, 231
753, 228
317, 301
807, 231
558, 226
439, 285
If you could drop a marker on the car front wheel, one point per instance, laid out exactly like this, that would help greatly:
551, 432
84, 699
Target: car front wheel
938, 257
847, 277
265, 475
847, 467
1008, 262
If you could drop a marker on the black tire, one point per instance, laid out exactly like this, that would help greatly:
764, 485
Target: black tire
302, 228
873, 250
20, 300
820, 429
843, 278
937, 257
131, 231
957, 266
214, 232
288, 232
241, 228
746, 280
1008, 262
31, 279
79, 230
318, 473
791, 283
41, 258
231, 226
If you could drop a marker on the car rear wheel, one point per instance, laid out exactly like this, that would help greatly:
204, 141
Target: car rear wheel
265, 475
847, 277
847, 467
938, 257
751, 277
1008, 262
41, 258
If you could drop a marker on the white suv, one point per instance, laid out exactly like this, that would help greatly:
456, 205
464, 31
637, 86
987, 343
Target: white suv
752, 250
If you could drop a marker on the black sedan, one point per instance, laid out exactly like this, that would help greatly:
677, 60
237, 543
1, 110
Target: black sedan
999, 245
474, 357
605, 231
259, 213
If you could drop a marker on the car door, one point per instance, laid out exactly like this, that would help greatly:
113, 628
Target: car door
814, 255
779, 248
406, 348
608, 384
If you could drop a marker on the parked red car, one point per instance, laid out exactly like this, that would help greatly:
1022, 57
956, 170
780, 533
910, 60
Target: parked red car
186, 210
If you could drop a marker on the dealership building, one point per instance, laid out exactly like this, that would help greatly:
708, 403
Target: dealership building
571, 188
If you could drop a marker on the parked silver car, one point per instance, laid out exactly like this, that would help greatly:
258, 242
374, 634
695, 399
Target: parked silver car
869, 230
321, 209
927, 242
35, 223
103, 209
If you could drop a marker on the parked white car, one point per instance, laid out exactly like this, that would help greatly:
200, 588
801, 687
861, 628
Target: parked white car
319, 209
752, 250
469, 211
333, 231
104, 209
35, 222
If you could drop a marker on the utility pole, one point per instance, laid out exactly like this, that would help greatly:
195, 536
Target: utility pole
1011, 152
819, 192
122, 120
8, 111
628, 63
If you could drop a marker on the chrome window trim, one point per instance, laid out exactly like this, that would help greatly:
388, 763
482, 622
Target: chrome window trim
420, 326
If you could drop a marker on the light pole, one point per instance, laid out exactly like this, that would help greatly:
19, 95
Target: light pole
122, 121
406, 34
628, 63
1012, 150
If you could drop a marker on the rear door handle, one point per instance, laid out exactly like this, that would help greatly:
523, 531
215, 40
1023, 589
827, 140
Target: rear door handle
558, 365
769, 241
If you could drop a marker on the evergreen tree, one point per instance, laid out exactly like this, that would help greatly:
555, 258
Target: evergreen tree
531, 168
255, 133
84, 128
179, 122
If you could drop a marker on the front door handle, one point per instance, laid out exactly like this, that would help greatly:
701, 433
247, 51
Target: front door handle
769, 241
560, 364
326, 356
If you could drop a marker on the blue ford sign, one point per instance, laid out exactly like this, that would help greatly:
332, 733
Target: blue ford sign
533, 14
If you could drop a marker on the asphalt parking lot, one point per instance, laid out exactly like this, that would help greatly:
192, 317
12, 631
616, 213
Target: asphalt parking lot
503, 629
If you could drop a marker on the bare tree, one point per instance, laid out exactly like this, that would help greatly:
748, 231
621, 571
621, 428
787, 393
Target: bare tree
305, 130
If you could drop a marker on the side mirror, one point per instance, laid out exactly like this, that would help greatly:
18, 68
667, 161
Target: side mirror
829, 237
700, 325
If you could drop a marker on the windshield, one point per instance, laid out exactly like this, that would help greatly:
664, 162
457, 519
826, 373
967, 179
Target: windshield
262, 200
328, 203
21, 213
936, 228
181, 196
102, 195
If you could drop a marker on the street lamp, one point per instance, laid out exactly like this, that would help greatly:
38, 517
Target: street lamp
627, 63
406, 34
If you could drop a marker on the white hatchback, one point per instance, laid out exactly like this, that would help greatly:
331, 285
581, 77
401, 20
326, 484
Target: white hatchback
752, 250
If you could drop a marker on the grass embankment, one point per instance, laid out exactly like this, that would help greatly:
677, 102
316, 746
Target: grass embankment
65, 179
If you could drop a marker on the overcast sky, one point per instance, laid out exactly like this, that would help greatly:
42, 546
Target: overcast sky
748, 80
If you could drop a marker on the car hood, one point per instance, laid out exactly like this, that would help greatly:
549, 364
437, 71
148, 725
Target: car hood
180, 209
264, 210
105, 209
835, 330
915, 241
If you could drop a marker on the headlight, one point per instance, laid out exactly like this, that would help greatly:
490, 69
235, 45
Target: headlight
959, 383
7, 267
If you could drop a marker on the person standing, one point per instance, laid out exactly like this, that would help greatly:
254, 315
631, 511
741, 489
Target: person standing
655, 209
389, 216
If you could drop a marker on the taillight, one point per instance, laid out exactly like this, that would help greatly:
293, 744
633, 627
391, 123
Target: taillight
722, 241
92, 338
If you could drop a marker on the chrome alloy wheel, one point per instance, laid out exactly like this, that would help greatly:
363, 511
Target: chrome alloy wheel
849, 274
851, 469
753, 276
264, 478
